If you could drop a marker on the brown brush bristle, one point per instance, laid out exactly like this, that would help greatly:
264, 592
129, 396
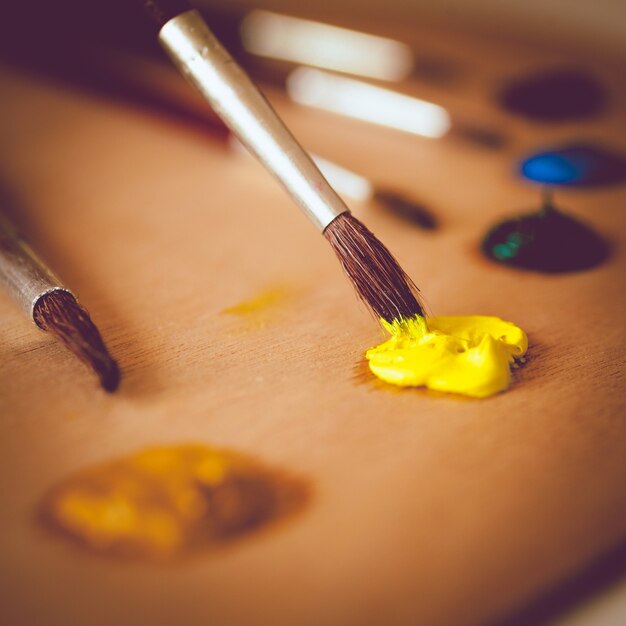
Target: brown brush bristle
59, 313
377, 277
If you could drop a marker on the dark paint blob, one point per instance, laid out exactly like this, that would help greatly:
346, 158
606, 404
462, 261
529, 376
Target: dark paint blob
436, 70
483, 137
546, 241
554, 96
576, 164
407, 209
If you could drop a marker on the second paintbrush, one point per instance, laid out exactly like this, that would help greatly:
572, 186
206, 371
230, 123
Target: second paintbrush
50, 305
377, 277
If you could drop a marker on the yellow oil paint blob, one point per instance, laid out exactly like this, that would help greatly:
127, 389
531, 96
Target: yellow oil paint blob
169, 500
470, 355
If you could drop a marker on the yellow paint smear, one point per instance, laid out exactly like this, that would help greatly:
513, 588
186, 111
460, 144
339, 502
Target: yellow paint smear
168, 500
260, 303
470, 355
257, 312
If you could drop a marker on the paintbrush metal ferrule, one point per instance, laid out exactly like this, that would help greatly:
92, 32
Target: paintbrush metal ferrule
22, 272
236, 99
51, 306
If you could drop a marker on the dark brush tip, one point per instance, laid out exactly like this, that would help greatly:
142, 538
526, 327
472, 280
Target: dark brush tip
59, 313
407, 209
162, 11
379, 280
110, 380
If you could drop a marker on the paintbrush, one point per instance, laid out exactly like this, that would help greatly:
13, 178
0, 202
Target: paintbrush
51, 306
377, 277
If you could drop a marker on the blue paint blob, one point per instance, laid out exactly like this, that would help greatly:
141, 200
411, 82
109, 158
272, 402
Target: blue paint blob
582, 165
550, 168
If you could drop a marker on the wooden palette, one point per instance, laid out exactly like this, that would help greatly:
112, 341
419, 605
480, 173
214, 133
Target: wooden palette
425, 508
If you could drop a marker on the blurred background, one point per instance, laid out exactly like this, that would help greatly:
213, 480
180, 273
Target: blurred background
110, 48
600, 24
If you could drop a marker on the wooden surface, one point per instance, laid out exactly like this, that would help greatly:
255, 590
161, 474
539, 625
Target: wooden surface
426, 509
